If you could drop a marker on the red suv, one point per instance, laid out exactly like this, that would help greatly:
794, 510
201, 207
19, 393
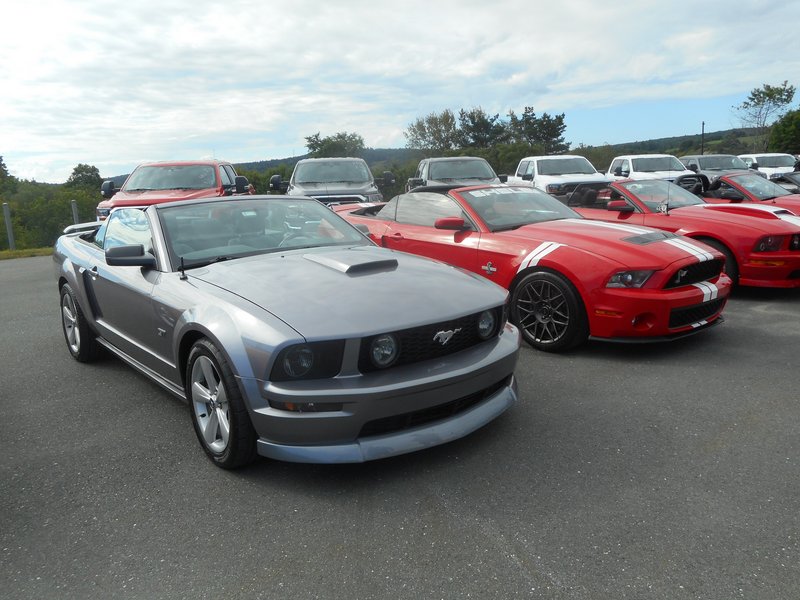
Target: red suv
157, 182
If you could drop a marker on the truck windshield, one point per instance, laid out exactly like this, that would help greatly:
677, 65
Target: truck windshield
657, 163
333, 171
720, 163
772, 162
171, 177
461, 169
566, 166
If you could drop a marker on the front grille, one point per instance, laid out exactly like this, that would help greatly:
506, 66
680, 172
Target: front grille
418, 344
333, 200
680, 317
417, 418
695, 273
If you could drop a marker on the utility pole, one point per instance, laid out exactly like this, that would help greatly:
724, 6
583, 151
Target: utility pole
702, 136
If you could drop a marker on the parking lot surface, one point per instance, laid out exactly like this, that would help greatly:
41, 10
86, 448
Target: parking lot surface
625, 471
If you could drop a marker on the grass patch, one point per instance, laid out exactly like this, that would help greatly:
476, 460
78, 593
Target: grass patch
5, 254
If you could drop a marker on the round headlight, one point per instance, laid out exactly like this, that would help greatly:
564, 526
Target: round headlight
486, 324
298, 361
383, 350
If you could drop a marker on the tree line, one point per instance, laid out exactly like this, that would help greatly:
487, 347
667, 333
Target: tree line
39, 212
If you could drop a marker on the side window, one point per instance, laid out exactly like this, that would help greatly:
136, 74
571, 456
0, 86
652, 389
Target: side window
225, 175
615, 164
523, 168
127, 226
100, 234
424, 209
626, 166
531, 168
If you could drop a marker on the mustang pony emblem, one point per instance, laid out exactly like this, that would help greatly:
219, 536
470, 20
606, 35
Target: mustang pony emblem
444, 336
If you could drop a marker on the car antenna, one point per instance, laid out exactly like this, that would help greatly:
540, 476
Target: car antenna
182, 270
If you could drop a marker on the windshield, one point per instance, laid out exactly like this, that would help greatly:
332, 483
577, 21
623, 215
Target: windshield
566, 166
223, 230
720, 163
655, 193
332, 171
773, 162
171, 177
651, 164
504, 208
761, 188
445, 170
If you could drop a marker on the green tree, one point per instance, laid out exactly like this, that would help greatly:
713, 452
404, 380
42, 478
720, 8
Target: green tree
8, 183
545, 132
762, 107
479, 130
86, 177
785, 134
338, 145
435, 133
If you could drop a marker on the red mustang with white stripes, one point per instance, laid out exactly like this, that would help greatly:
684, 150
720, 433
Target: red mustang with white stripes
569, 278
761, 242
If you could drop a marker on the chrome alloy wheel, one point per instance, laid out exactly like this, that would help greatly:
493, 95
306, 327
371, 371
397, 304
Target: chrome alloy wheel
69, 320
543, 311
210, 404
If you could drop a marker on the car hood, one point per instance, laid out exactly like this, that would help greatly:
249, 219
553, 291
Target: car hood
334, 292
627, 245
574, 177
762, 216
334, 188
123, 198
668, 175
466, 182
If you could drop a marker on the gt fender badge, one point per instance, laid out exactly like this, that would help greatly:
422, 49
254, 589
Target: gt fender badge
444, 336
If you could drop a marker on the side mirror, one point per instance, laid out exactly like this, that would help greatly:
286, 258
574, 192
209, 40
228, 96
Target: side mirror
527, 177
275, 182
754, 166
619, 206
241, 184
618, 172
388, 178
503, 178
451, 223
107, 189
415, 182
692, 167
732, 195
364, 229
130, 256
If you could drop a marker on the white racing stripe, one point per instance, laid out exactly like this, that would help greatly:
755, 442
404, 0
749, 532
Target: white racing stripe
687, 246
617, 226
783, 214
699, 324
538, 253
710, 291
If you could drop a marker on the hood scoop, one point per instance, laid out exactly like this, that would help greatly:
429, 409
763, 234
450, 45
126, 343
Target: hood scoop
352, 264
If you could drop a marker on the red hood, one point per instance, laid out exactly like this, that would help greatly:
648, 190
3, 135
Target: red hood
123, 198
628, 245
763, 216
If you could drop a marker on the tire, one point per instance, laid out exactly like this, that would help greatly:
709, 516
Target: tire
731, 266
218, 412
549, 312
81, 341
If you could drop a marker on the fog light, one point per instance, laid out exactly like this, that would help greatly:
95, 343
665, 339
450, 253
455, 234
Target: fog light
644, 321
383, 350
486, 324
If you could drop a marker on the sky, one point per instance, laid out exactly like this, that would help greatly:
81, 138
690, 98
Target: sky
114, 84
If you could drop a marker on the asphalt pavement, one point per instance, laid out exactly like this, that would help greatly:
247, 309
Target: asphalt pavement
625, 471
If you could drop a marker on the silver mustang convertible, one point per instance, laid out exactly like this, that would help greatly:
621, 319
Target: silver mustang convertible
287, 331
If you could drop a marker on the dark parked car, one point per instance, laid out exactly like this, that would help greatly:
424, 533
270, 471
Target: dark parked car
288, 332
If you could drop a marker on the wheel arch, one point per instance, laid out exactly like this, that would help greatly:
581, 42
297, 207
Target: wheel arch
579, 289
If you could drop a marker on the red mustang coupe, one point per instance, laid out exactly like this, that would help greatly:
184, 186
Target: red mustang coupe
761, 242
569, 277
747, 187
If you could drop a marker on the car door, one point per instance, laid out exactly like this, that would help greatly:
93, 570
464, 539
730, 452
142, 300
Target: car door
413, 230
121, 296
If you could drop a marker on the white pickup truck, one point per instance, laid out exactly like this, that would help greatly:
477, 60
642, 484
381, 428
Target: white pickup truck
556, 175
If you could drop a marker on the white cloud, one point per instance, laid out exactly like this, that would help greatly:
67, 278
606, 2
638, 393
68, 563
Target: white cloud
93, 81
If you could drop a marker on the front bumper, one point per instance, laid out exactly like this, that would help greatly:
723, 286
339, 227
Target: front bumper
387, 413
771, 269
620, 314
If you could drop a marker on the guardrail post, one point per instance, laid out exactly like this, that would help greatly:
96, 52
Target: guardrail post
75, 218
9, 229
